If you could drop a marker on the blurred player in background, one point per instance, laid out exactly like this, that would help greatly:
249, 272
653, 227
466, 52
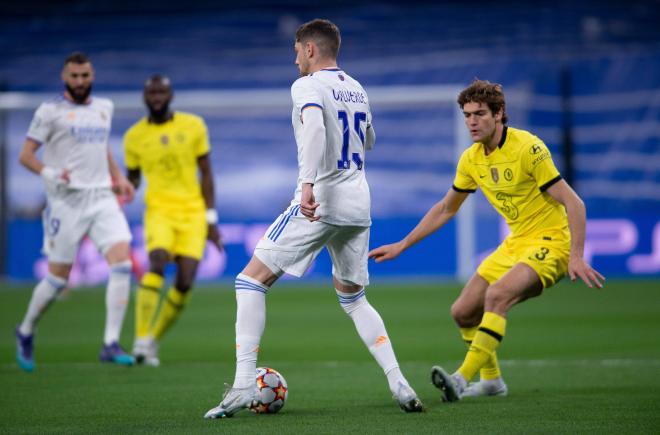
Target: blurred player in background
169, 148
332, 126
77, 168
547, 220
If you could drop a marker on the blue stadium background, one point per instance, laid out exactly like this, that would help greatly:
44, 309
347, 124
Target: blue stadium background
592, 70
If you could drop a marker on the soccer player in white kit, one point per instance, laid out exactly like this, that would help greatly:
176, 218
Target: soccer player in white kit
76, 169
331, 208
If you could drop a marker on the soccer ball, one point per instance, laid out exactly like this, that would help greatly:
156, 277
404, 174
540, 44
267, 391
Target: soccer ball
272, 392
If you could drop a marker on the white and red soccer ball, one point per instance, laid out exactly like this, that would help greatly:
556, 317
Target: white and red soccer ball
272, 391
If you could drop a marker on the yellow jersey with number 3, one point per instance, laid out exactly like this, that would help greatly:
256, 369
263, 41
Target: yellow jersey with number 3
167, 156
514, 178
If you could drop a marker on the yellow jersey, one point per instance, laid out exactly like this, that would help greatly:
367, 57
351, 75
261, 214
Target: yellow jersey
167, 156
514, 178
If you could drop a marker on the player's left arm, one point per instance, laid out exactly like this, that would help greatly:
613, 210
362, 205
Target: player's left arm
307, 99
313, 138
561, 192
208, 192
121, 186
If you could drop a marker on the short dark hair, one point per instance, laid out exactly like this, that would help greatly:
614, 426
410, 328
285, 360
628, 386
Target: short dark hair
483, 91
160, 78
324, 33
77, 57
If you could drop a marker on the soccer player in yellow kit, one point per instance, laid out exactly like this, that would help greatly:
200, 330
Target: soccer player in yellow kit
169, 148
515, 171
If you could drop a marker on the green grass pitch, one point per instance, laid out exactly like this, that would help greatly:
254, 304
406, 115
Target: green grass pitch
576, 361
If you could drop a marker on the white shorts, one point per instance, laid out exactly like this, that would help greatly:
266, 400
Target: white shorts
292, 242
72, 214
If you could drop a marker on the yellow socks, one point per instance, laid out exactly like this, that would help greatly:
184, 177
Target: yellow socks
486, 339
146, 303
490, 370
172, 305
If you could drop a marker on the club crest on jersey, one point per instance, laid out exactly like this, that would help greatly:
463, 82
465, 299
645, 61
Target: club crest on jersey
508, 174
341, 77
164, 139
495, 175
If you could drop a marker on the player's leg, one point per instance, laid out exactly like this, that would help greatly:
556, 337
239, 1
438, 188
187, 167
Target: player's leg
467, 311
110, 233
42, 296
147, 298
348, 250
63, 230
159, 234
116, 301
520, 283
539, 264
252, 284
186, 236
177, 296
290, 245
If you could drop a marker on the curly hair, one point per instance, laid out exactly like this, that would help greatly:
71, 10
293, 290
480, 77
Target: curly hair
483, 91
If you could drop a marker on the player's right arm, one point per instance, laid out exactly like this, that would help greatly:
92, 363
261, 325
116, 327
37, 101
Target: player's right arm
38, 133
433, 220
28, 156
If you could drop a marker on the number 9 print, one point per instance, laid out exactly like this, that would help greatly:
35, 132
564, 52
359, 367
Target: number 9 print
53, 226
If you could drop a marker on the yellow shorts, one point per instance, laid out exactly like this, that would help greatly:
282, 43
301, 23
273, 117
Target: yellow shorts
181, 234
548, 257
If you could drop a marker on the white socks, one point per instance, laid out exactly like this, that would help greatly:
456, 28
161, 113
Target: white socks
251, 320
44, 293
250, 323
116, 300
371, 329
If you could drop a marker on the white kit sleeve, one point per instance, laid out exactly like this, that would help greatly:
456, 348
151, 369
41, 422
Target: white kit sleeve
309, 102
313, 140
40, 127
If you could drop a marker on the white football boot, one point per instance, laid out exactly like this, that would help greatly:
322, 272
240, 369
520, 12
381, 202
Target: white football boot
486, 387
145, 351
234, 400
407, 399
451, 386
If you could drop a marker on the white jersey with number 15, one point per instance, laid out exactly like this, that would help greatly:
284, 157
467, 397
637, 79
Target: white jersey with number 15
340, 186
